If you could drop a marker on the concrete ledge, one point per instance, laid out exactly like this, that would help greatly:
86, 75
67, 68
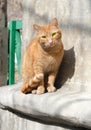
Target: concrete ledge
70, 108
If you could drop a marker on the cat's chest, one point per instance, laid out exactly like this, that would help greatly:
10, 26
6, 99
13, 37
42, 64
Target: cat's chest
50, 64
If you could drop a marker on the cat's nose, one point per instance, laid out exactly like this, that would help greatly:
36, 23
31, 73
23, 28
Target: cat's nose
50, 41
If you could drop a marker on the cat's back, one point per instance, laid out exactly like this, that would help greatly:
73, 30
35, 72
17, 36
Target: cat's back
32, 47
31, 50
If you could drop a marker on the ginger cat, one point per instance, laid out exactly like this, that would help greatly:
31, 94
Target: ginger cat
42, 57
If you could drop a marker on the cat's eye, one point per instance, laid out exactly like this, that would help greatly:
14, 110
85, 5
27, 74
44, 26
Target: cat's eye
43, 37
54, 34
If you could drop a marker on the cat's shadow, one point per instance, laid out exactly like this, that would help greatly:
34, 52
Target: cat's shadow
67, 68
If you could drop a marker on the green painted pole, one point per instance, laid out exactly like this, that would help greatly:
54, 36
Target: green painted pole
14, 47
12, 52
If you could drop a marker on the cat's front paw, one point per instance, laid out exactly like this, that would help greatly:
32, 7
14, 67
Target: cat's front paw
51, 89
34, 91
40, 90
25, 88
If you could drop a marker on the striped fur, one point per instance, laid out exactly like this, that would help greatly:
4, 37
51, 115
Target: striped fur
36, 80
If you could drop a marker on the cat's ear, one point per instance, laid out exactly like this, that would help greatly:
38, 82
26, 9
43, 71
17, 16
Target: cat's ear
54, 22
36, 27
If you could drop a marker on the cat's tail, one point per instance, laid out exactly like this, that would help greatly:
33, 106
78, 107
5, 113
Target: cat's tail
36, 80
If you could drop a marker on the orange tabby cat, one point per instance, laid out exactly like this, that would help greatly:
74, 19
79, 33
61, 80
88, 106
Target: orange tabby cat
43, 56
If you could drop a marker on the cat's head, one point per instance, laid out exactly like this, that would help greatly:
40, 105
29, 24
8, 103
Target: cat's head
49, 35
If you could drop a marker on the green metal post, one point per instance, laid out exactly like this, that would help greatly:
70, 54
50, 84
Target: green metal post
14, 47
12, 52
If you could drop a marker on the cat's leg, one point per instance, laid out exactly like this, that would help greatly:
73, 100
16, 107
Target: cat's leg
38, 81
51, 80
34, 82
41, 88
27, 76
31, 84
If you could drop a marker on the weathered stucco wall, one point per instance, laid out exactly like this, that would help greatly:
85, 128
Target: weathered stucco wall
14, 10
75, 22
3, 44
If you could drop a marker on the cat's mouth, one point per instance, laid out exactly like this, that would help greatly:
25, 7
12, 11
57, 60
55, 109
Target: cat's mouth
48, 46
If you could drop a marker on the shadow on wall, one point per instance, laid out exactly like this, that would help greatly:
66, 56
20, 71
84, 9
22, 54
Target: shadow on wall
67, 68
